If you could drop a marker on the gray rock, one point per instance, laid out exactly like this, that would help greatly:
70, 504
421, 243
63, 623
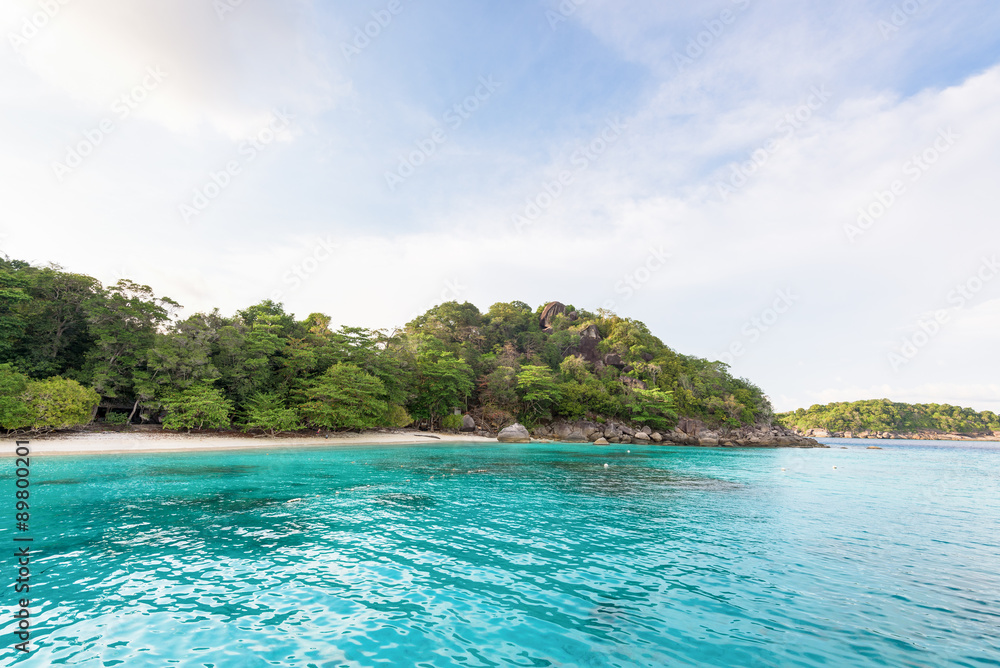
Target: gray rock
516, 433
646, 430
655, 437
589, 338
549, 313
601, 441
468, 424
641, 436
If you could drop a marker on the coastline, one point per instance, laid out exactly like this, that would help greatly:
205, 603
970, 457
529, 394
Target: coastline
897, 436
123, 442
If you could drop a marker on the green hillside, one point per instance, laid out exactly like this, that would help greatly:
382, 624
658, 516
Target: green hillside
73, 350
884, 415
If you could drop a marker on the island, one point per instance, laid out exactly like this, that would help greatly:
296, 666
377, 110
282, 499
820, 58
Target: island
882, 418
80, 356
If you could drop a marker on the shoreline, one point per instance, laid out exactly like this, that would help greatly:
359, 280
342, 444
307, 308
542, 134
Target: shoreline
107, 443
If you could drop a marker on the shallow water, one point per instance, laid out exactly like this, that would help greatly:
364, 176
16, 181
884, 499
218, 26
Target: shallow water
517, 555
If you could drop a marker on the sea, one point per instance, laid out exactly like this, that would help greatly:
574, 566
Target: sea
457, 554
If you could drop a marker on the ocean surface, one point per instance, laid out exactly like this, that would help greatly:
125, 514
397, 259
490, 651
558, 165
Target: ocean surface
513, 555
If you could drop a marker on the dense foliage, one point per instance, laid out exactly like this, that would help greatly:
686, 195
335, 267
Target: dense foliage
72, 350
885, 415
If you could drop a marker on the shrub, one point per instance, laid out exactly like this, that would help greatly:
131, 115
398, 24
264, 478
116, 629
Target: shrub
452, 422
60, 403
268, 411
345, 397
397, 416
115, 418
197, 407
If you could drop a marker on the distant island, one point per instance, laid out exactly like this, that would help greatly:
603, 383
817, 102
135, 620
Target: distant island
882, 418
74, 353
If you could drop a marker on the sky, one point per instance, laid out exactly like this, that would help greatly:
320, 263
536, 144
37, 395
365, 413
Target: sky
805, 191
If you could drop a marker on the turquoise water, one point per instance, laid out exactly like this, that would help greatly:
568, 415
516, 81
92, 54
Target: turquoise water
516, 555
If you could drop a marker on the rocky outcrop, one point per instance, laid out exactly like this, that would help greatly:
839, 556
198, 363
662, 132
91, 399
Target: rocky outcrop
614, 359
922, 435
548, 315
634, 383
468, 423
688, 432
589, 338
516, 433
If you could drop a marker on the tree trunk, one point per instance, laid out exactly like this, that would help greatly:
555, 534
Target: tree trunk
134, 408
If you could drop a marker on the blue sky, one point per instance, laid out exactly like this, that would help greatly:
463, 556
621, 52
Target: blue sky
698, 166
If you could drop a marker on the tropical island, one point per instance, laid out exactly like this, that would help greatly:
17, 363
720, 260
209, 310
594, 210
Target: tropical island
882, 418
78, 355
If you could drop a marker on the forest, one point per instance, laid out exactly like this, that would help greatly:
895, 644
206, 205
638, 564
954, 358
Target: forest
75, 352
885, 415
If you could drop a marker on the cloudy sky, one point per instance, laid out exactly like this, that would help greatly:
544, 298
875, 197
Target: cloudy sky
808, 191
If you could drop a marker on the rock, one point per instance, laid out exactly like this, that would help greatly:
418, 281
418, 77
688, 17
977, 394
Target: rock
873, 447
647, 357
576, 436
641, 437
516, 433
655, 437
634, 383
601, 441
468, 424
614, 359
625, 439
628, 431
708, 441
689, 427
646, 430
549, 313
573, 315
589, 338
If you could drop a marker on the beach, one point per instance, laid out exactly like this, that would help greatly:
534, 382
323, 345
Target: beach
92, 443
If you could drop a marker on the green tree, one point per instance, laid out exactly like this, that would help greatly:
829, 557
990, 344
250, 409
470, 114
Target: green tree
538, 390
443, 382
60, 403
15, 413
200, 406
268, 411
345, 397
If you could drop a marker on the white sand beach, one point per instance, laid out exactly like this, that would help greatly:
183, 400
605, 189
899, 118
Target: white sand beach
125, 442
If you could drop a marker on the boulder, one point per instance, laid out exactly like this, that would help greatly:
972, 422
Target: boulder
589, 338
641, 437
647, 357
573, 315
646, 430
628, 431
655, 437
601, 441
614, 359
576, 436
549, 313
516, 433
634, 383
468, 424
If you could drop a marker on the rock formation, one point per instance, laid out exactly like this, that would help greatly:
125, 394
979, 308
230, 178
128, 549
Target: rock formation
516, 433
548, 316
